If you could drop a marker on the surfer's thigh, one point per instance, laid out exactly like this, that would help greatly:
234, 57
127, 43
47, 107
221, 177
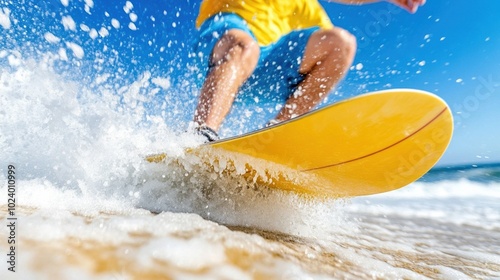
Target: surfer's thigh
237, 46
330, 47
212, 32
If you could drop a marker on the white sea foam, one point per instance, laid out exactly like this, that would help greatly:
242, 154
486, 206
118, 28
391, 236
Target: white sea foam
115, 23
5, 18
68, 23
51, 38
76, 49
461, 188
460, 202
76, 149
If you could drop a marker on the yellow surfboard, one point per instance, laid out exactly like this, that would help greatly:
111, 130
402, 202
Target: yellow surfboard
369, 144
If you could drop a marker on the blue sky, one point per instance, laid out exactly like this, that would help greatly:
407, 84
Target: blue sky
451, 48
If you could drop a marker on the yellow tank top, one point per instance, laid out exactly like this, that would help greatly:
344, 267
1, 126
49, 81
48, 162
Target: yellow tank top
269, 19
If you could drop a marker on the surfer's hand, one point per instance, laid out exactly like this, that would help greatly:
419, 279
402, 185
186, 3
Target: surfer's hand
410, 5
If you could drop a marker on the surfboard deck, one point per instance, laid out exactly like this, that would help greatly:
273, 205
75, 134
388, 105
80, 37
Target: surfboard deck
368, 144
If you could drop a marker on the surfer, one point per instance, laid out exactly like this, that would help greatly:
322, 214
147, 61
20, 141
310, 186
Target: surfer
292, 42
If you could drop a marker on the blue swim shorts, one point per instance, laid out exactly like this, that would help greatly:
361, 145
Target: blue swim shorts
276, 75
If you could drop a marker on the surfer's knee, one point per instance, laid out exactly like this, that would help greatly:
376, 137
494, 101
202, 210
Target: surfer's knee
331, 46
340, 40
236, 45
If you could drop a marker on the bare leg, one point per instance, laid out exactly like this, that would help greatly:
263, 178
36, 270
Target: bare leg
327, 58
233, 60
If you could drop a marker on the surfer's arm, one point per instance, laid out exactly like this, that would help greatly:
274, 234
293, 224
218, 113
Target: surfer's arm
409, 5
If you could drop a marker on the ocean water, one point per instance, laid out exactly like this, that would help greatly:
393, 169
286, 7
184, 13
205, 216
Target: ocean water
77, 117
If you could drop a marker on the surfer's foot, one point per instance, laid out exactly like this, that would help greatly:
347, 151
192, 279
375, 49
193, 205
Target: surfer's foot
208, 133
